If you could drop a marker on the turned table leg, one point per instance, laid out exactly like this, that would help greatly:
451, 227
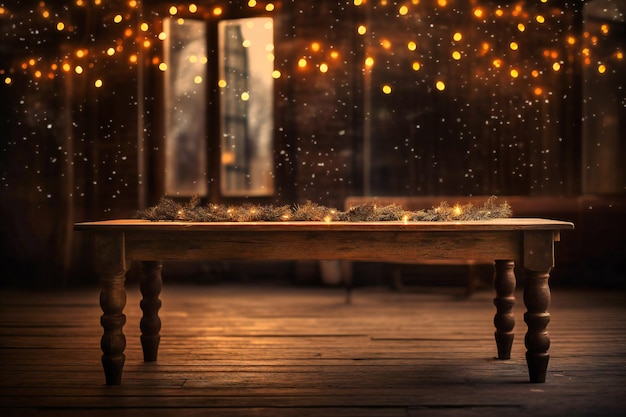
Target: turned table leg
111, 266
150, 285
504, 321
537, 341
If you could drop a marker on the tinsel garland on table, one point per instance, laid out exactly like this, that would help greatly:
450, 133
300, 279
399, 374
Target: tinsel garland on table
193, 211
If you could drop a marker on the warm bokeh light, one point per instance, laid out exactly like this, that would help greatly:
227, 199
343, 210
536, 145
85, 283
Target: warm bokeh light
416, 66
412, 46
386, 89
361, 30
323, 68
98, 83
302, 63
369, 62
457, 36
440, 85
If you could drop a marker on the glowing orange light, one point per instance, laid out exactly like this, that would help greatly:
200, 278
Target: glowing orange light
334, 54
276, 74
163, 66
457, 210
497, 63
412, 46
155, 60
173, 10
98, 83
269, 7
403, 11
535, 73
619, 55
128, 32
60, 26
385, 43
66, 67
315, 46
133, 59
146, 44
514, 73
538, 91
144, 27
416, 66
440, 85
37, 74
369, 62
252, 3
571, 40
193, 8
323, 68
601, 68
361, 30
514, 46
442, 3
217, 11
478, 13
457, 36
78, 69
386, 89
302, 63
556, 66
605, 29
456, 55
499, 12
521, 27
111, 51
81, 53
540, 19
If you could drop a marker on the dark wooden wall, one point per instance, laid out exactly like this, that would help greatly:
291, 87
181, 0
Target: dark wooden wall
72, 152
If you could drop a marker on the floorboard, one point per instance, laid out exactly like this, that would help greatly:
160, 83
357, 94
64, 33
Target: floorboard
270, 350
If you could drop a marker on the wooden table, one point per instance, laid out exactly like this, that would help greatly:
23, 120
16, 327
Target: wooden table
528, 242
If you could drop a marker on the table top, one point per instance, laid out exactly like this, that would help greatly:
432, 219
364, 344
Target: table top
508, 224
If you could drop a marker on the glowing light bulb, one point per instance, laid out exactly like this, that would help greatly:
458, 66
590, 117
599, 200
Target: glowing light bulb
478, 13
440, 85
601, 68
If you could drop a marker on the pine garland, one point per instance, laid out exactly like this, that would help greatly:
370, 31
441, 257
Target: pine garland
193, 211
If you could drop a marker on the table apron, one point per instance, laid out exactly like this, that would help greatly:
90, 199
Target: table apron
306, 245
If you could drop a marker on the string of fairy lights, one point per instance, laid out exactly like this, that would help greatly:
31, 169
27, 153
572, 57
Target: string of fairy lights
134, 35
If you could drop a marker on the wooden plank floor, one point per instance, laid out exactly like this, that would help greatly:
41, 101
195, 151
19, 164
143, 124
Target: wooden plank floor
269, 350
